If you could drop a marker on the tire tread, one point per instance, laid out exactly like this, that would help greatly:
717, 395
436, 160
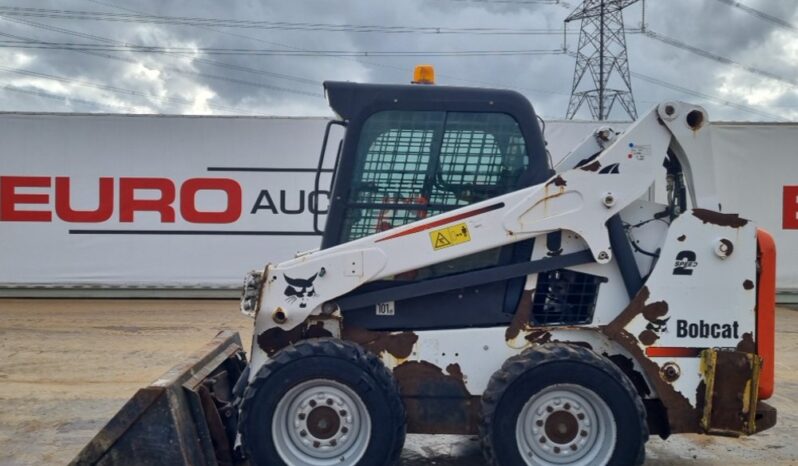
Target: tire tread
517, 365
339, 349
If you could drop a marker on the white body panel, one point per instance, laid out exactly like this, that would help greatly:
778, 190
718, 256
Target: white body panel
480, 351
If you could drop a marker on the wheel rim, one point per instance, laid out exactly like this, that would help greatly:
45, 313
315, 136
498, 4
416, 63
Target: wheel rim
566, 424
321, 422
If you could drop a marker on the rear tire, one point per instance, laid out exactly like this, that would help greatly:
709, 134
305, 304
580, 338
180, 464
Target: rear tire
559, 404
322, 402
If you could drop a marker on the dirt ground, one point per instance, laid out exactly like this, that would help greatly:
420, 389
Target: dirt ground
66, 366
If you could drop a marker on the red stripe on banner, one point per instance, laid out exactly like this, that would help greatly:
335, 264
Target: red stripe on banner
443, 221
673, 352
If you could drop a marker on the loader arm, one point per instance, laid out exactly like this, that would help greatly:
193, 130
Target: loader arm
581, 200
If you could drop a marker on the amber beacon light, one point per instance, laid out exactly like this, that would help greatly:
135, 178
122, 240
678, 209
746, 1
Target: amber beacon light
424, 74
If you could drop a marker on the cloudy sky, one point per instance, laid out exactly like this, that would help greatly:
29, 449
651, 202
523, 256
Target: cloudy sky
228, 57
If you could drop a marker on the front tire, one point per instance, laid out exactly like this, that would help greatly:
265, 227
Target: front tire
562, 405
322, 402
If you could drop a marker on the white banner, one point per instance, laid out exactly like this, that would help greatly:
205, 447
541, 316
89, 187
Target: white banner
757, 176
153, 201
176, 201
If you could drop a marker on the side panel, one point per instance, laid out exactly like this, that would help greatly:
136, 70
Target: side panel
698, 296
443, 373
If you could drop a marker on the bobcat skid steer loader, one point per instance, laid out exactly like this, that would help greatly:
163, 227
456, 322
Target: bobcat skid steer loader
466, 286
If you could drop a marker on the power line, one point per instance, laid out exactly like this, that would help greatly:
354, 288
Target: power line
116, 90
358, 60
593, 8
637, 75
252, 24
718, 58
694, 93
221, 64
760, 14
22, 41
561, 3
269, 52
181, 71
232, 66
564, 4
512, 2
370, 64
64, 99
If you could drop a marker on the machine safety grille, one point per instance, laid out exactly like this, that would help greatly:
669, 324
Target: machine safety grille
565, 297
413, 165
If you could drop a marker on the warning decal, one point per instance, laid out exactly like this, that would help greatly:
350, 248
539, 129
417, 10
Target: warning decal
449, 236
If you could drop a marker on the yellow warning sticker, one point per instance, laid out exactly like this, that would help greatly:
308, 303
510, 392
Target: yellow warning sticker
449, 236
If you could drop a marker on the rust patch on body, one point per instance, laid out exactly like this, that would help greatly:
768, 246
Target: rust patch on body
634, 308
701, 396
317, 330
436, 402
275, 339
647, 337
399, 345
747, 345
583, 344
559, 181
591, 167
652, 312
627, 366
730, 404
521, 318
454, 371
729, 247
682, 238
682, 417
748, 285
717, 218
538, 337
413, 376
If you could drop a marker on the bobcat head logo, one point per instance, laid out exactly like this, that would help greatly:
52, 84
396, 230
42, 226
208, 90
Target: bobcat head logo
299, 288
658, 325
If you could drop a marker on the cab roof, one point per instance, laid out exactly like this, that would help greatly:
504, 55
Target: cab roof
348, 99
355, 103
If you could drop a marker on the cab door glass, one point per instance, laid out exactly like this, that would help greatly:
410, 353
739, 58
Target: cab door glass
391, 167
482, 155
411, 165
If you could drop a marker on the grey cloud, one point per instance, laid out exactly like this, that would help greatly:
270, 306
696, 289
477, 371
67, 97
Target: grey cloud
225, 87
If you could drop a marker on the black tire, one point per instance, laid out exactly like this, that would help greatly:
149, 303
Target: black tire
329, 359
537, 369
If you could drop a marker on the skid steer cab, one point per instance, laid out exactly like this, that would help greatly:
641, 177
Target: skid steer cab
466, 285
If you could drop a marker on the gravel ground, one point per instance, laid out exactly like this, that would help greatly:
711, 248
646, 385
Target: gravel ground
66, 366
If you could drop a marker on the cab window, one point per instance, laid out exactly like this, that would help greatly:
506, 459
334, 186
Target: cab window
411, 165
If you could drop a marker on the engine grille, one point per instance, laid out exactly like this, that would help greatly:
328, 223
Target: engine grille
565, 297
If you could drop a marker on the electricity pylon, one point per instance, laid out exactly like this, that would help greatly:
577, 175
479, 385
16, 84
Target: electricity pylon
601, 75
